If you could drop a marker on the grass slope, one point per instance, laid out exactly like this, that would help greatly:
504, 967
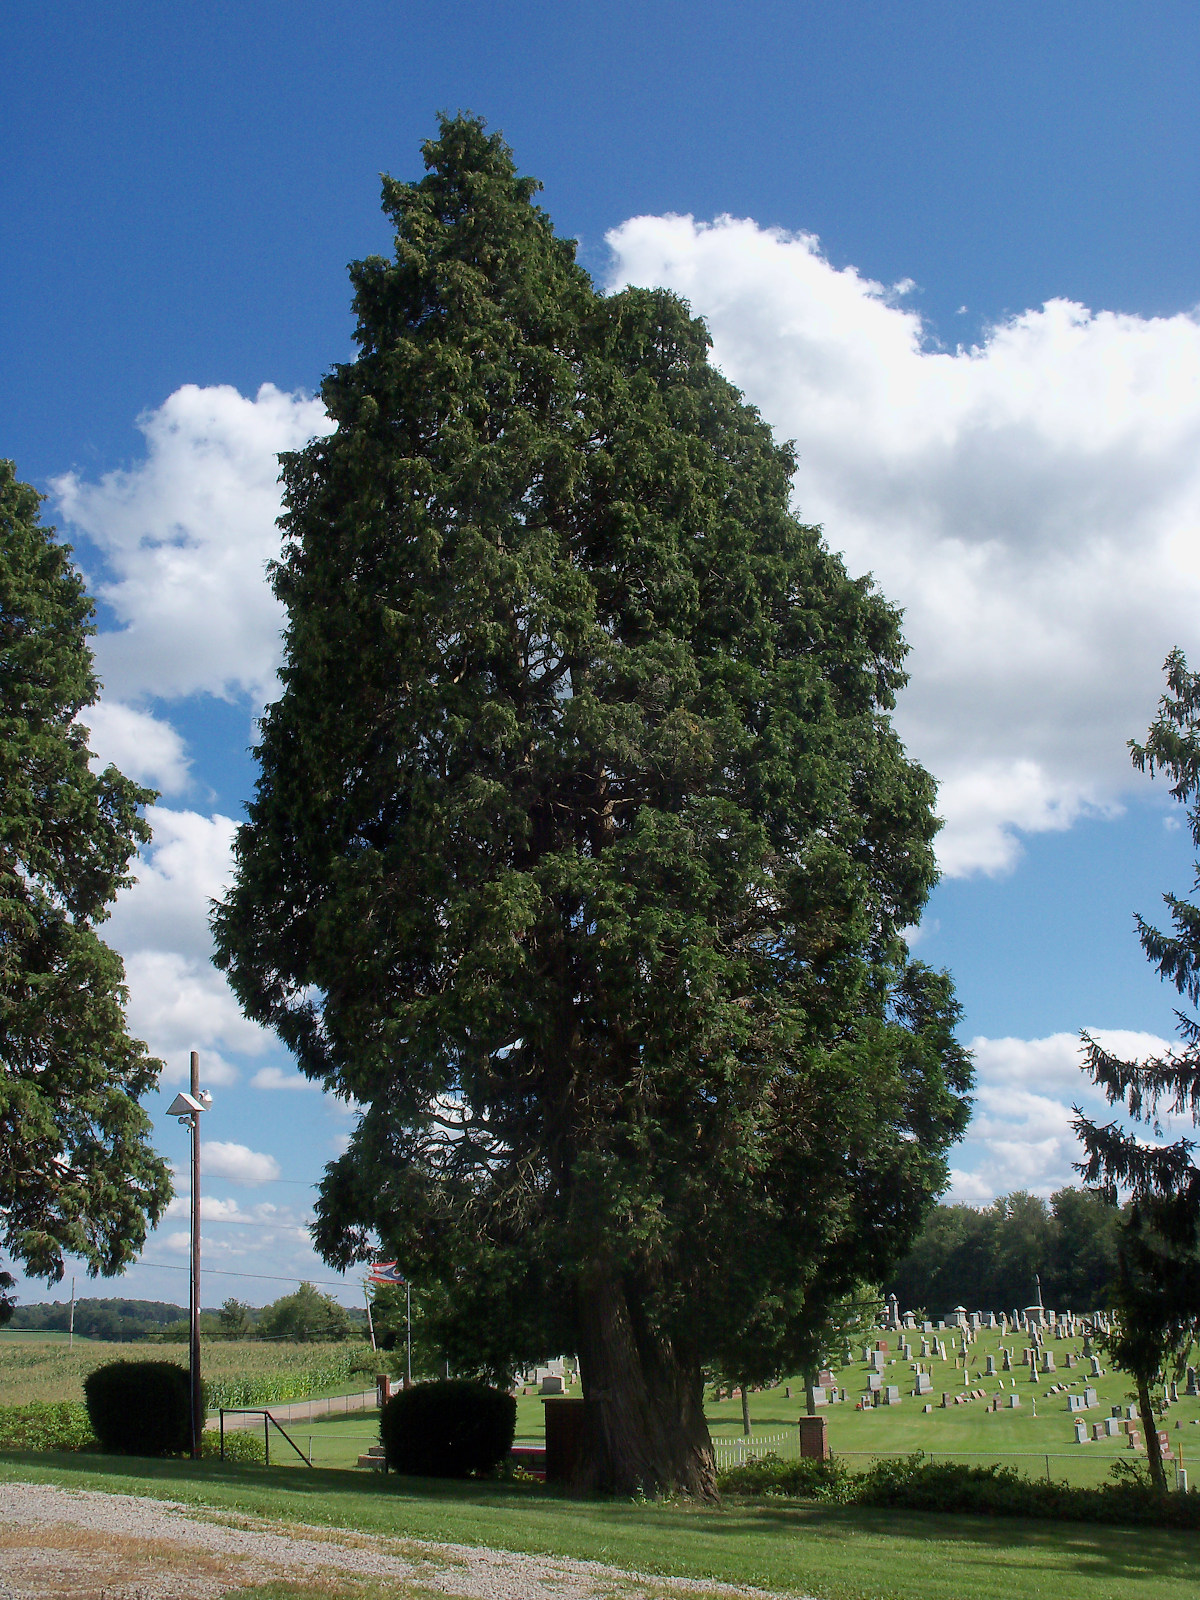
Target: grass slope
835, 1554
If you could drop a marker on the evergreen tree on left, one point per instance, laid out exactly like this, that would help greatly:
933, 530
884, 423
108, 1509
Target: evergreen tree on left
77, 1171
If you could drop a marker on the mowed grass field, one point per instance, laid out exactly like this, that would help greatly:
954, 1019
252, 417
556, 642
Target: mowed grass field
831, 1553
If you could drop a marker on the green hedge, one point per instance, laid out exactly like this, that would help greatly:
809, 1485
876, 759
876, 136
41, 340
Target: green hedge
141, 1408
914, 1484
241, 1445
447, 1429
46, 1425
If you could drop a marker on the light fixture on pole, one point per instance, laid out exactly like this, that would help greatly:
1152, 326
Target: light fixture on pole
187, 1107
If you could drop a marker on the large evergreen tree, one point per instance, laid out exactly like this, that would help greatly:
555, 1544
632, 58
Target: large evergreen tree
583, 845
77, 1172
1158, 1284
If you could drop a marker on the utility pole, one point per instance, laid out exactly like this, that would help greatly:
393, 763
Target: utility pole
71, 1335
187, 1107
370, 1324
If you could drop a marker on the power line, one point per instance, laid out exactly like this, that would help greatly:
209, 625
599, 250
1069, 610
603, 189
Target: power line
227, 1272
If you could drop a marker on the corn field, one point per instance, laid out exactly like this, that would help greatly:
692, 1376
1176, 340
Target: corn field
236, 1372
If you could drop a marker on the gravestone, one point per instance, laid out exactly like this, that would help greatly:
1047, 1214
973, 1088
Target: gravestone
1047, 1361
1097, 1371
1193, 1387
1007, 1363
1097, 1430
924, 1383
874, 1381
891, 1395
820, 1395
1014, 1400
1070, 1361
1090, 1397
1111, 1427
925, 1350
927, 1327
877, 1360
1081, 1433
991, 1367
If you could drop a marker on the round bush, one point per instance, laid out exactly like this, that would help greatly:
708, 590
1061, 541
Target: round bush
447, 1429
140, 1408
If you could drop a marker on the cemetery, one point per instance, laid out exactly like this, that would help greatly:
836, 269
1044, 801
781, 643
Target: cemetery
1014, 1388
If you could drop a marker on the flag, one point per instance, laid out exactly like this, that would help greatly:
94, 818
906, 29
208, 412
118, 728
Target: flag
385, 1272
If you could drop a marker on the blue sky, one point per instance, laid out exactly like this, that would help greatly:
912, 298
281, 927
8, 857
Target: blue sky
952, 250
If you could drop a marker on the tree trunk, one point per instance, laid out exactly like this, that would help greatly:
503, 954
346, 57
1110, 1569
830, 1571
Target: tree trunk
745, 1408
1154, 1461
810, 1398
644, 1427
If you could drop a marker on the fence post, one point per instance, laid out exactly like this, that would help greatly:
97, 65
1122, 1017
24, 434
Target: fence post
1047, 1469
267, 1438
222, 1433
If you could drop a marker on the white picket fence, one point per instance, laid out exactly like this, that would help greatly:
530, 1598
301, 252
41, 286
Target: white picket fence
734, 1452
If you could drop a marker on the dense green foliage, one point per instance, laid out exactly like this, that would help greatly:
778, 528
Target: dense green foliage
449, 1429
77, 1172
244, 1445
985, 1258
101, 1319
140, 1408
1158, 1278
54, 1425
304, 1316
914, 1484
583, 845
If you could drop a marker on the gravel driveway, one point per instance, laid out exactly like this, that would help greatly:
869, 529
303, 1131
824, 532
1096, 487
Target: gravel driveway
60, 1544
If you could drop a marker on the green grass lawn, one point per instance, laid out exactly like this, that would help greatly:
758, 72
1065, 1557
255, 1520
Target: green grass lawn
1041, 1427
835, 1553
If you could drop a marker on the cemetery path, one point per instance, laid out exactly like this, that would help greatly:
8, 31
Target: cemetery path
59, 1544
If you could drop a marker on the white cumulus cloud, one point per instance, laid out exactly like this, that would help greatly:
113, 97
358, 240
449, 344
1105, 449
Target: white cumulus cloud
187, 534
1033, 503
1021, 1136
236, 1162
142, 746
277, 1078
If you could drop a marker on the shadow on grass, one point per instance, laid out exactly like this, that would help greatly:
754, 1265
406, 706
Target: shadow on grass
677, 1537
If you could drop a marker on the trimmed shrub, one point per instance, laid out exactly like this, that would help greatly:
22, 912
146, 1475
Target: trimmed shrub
140, 1408
447, 1429
803, 1479
46, 1425
241, 1445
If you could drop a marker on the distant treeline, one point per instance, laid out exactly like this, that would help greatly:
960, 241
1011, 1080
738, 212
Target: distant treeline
101, 1319
303, 1316
985, 1259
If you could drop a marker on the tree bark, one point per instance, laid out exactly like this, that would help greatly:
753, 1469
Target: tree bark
1154, 1461
745, 1407
644, 1427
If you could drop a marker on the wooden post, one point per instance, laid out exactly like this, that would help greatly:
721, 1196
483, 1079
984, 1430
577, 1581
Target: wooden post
194, 1307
